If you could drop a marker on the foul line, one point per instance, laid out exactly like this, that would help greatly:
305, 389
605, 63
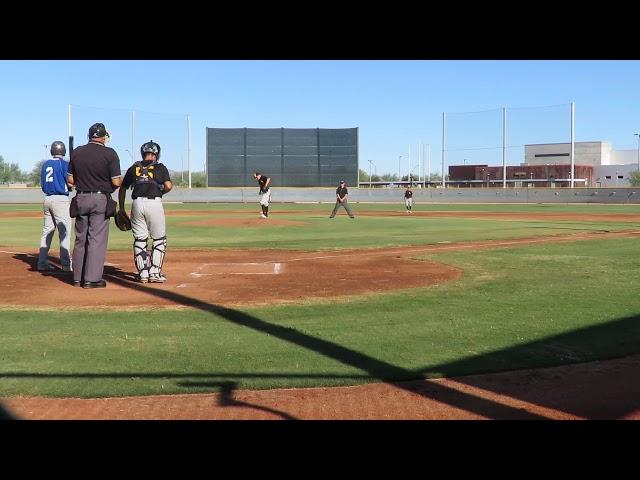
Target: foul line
277, 269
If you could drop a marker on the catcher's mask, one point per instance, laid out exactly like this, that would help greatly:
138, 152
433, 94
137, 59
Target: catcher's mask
150, 147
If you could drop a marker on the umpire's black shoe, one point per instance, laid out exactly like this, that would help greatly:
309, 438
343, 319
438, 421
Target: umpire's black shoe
99, 284
77, 283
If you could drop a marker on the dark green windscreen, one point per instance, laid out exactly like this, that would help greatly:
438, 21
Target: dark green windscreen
292, 157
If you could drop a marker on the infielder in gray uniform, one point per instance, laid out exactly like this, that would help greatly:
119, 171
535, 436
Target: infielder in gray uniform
408, 199
149, 180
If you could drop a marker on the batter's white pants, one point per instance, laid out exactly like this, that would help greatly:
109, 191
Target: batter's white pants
56, 215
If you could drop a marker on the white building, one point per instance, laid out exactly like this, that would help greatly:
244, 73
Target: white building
611, 168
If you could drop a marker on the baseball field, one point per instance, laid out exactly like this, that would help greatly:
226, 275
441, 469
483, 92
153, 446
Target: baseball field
299, 304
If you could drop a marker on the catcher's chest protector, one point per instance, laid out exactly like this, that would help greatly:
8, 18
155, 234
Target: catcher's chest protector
144, 174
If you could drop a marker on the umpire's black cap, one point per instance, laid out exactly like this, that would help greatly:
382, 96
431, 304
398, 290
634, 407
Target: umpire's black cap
98, 130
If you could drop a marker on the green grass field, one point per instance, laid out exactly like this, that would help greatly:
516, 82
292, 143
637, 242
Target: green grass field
519, 307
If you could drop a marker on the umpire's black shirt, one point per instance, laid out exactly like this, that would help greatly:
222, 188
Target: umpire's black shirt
93, 166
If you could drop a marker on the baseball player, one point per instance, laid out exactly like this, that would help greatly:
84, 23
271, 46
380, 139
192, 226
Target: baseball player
408, 198
149, 180
341, 200
264, 193
53, 179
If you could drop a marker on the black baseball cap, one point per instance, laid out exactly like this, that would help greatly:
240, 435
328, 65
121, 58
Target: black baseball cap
98, 130
341, 181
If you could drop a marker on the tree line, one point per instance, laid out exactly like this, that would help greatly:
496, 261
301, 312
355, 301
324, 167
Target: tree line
11, 173
363, 176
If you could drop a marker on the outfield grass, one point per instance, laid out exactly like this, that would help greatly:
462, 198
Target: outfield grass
320, 233
521, 307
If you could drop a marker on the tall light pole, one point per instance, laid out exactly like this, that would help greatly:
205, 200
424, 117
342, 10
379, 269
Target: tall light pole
370, 162
638, 135
45, 151
399, 177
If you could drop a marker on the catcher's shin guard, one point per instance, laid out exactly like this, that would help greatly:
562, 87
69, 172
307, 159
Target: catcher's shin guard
157, 255
140, 256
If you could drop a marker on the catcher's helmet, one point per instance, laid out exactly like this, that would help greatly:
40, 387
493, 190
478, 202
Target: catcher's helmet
150, 147
98, 130
58, 148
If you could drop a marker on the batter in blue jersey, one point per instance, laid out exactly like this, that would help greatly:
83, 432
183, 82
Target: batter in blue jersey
53, 179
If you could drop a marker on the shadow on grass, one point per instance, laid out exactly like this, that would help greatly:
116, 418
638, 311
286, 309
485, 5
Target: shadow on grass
583, 344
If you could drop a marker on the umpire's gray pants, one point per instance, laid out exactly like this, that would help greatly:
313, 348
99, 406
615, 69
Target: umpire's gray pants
92, 236
343, 204
56, 215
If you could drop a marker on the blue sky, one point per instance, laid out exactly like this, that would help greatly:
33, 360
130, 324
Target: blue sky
395, 104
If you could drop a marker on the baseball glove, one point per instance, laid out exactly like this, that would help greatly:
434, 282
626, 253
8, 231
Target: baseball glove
123, 222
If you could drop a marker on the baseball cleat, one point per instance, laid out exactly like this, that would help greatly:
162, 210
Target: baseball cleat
46, 268
263, 216
157, 278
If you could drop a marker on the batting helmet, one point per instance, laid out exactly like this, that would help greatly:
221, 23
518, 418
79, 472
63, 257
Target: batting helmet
58, 148
98, 130
150, 147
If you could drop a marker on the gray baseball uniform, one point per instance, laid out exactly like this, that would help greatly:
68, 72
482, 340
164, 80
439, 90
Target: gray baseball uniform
147, 179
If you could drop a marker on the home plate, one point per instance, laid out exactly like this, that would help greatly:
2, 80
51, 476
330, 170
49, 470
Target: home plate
269, 268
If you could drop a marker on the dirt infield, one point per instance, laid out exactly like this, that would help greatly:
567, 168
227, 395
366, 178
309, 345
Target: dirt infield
215, 277
232, 278
228, 278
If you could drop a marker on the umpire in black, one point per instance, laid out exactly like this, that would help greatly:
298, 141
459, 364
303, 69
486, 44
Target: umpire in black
94, 169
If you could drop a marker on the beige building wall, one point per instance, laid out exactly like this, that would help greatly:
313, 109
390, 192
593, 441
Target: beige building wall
625, 157
586, 153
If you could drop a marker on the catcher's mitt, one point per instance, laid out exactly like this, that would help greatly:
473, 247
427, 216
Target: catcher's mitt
123, 222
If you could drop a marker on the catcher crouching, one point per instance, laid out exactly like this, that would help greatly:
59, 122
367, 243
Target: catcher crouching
149, 180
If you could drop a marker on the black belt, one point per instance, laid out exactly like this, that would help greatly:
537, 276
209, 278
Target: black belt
89, 191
